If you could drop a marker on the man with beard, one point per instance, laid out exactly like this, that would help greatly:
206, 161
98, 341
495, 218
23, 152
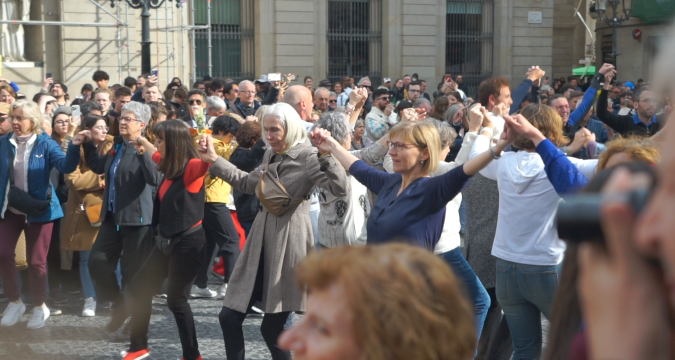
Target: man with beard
60, 92
643, 122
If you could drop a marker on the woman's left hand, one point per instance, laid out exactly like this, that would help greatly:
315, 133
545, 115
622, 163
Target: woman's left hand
322, 140
138, 144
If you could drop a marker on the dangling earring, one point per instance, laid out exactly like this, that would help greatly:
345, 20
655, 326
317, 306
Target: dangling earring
422, 162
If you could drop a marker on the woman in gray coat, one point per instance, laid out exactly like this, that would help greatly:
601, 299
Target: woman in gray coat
276, 244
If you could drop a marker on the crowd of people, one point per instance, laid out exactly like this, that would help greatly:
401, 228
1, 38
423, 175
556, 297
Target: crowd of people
394, 223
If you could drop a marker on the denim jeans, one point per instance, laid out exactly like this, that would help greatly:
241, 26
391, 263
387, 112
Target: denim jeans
246, 225
476, 291
87, 285
525, 292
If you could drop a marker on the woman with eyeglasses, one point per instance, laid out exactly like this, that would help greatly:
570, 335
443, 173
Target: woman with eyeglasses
27, 156
410, 205
80, 224
359, 139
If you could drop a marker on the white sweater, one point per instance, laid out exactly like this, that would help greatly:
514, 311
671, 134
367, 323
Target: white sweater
528, 203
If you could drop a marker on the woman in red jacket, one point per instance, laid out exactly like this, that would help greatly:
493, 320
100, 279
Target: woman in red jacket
179, 248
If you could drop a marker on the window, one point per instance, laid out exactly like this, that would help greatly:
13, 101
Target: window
232, 39
468, 41
355, 39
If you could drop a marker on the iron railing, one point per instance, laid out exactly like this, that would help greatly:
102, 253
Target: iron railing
355, 39
232, 39
469, 40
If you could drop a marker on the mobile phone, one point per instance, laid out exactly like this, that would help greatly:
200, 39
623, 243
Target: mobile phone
76, 111
155, 72
274, 77
448, 78
49, 75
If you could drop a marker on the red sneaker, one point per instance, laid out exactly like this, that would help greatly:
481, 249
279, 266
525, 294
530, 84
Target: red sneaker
136, 355
219, 268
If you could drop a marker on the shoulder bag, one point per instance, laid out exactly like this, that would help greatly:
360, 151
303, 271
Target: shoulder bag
23, 201
166, 245
273, 196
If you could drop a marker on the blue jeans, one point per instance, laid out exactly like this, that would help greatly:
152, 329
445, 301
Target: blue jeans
525, 292
87, 285
246, 225
476, 291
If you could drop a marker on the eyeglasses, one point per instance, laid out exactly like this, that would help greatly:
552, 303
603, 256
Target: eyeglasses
192, 102
247, 92
400, 146
103, 129
126, 119
18, 118
59, 122
332, 101
562, 107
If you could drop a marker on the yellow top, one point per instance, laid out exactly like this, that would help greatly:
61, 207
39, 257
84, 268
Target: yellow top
217, 190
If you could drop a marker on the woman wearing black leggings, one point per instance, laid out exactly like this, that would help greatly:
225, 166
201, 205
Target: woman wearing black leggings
178, 214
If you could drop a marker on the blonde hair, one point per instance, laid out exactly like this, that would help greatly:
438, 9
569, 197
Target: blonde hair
30, 111
262, 111
636, 148
423, 135
405, 302
547, 120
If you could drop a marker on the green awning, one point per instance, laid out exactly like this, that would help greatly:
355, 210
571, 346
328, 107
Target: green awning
580, 71
653, 11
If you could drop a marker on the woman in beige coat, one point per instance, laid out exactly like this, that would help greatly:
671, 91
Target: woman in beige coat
276, 244
85, 190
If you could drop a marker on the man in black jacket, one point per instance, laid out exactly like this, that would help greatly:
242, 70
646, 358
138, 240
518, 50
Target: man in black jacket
125, 234
643, 122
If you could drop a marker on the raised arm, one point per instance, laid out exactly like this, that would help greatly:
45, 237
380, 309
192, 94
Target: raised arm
95, 161
326, 173
563, 175
64, 163
375, 153
221, 168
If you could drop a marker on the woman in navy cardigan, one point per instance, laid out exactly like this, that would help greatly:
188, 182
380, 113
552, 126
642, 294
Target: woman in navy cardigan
410, 204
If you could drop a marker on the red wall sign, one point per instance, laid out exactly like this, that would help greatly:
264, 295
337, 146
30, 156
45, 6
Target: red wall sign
637, 34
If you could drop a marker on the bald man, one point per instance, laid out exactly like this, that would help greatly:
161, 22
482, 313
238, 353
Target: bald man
300, 98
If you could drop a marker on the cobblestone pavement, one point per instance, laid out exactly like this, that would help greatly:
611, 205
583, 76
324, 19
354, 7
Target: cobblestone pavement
73, 337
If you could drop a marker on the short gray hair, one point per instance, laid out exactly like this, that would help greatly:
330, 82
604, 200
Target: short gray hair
321, 89
215, 102
332, 93
246, 82
449, 116
336, 123
445, 132
421, 101
141, 111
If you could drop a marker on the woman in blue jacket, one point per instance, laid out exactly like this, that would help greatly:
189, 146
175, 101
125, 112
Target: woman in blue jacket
33, 154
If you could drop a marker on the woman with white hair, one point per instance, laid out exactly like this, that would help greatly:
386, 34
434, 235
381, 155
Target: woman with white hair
29, 204
281, 235
125, 234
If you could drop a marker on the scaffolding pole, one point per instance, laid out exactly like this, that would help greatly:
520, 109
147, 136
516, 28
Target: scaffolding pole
58, 23
119, 46
208, 23
194, 45
109, 13
166, 22
127, 42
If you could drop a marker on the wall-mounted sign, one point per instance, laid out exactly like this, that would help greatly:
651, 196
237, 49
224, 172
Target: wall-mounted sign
637, 34
534, 17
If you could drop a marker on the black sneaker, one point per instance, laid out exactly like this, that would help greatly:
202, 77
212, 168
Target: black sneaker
119, 316
57, 297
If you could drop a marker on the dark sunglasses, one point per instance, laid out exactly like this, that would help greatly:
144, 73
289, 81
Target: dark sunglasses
192, 102
332, 101
384, 98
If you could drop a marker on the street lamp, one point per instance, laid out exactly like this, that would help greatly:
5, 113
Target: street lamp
146, 5
620, 12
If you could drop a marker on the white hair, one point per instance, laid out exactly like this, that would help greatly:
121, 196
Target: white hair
141, 111
245, 82
321, 89
215, 102
292, 123
30, 111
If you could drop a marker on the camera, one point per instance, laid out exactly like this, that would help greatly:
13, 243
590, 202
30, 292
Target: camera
578, 217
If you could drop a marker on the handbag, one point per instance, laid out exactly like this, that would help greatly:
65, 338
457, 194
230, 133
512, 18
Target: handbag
20, 259
166, 245
23, 201
273, 195
92, 208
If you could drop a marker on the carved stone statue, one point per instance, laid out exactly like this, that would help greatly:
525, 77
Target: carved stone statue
13, 35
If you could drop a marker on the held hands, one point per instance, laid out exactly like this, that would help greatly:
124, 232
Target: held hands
535, 73
476, 118
206, 149
358, 97
140, 144
412, 114
251, 118
605, 68
582, 137
520, 126
82, 137
322, 139
609, 75
500, 110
